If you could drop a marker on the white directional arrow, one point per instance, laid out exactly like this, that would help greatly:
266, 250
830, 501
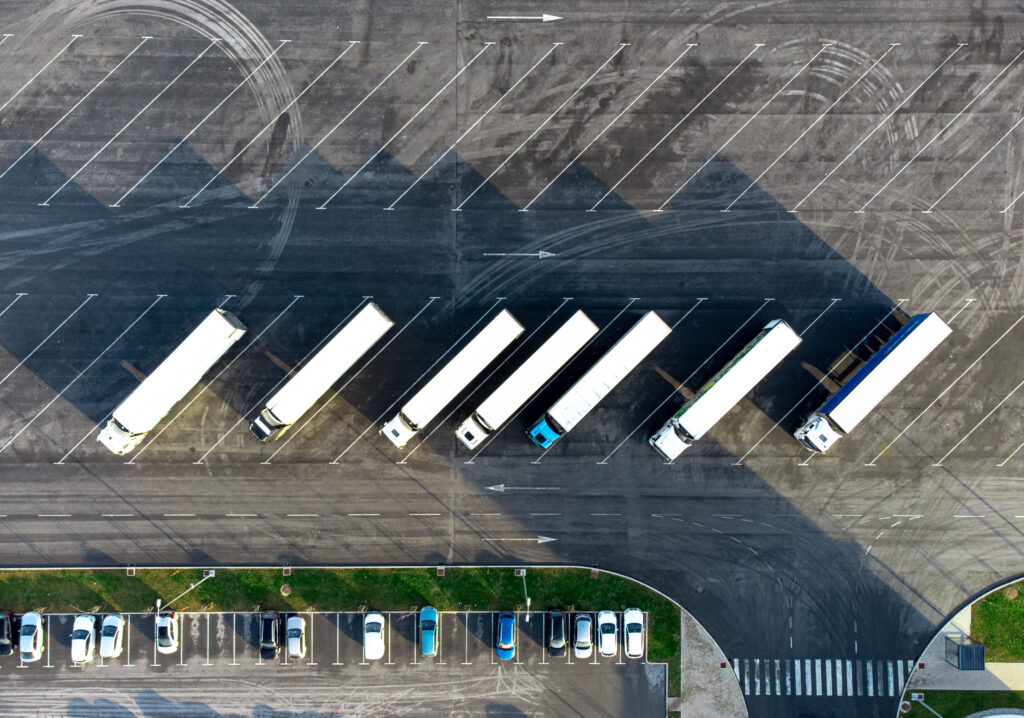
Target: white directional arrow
537, 539
543, 18
539, 255
503, 488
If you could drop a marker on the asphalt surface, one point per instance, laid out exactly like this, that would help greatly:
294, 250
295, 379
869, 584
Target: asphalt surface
861, 178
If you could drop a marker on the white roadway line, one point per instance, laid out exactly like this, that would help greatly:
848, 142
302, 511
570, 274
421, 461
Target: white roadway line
739, 461
428, 370
967, 303
943, 392
307, 88
539, 127
1012, 454
483, 381
217, 376
288, 375
762, 108
494, 434
971, 168
28, 356
811, 126
75, 106
293, 432
199, 124
689, 46
338, 124
80, 374
138, 114
473, 126
13, 302
592, 340
38, 72
676, 126
408, 122
676, 389
944, 128
877, 127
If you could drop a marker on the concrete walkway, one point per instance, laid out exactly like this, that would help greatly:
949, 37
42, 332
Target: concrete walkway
708, 688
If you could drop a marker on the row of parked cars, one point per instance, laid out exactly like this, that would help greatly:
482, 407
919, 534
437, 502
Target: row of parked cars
583, 636
83, 635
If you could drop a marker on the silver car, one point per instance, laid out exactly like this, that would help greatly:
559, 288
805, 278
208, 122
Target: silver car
582, 636
295, 637
112, 636
83, 636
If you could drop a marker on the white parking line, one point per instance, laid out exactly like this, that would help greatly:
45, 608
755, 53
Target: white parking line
944, 128
473, 126
465, 660
944, 391
312, 653
199, 124
88, 298
207, 385
38, 72
273, 121
207, 641
762, 108
408, 122
983, 420
138, 114
295, 430
539, 127
418, 380
80, 374
128, 662
74, 107
811, 126
14, 301
337, 640
676, 126
879, 126
689, 46
972, 167
234, 641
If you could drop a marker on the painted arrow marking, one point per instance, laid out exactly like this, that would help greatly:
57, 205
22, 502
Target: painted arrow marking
538, 255
546, 17
503, 488
537, 539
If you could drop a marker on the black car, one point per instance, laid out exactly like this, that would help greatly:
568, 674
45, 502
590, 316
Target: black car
6, 644
556, 633
270, 643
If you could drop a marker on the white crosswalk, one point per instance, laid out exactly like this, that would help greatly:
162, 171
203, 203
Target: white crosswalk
829, 677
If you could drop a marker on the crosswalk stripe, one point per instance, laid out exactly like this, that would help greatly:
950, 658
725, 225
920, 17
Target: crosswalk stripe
839, 677
789, 679
757, 676
892, 690
828, 676
736, 668
746, 677
899, 671
808, 677
777, 691
817, 675
870, 678
796, 674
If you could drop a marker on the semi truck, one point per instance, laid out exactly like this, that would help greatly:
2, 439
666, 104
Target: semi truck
525, 381
725, 389
599, 380
168, 384
455, 376
872, 382
321, 372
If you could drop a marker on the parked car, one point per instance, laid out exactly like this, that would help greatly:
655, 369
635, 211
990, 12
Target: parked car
556, 633
270, 643
373, 636
607, 633
428, 632
83, 637
295, 636
111, 636
582, 636
6, 644
30, 637
167, 632
505, 644
633, 633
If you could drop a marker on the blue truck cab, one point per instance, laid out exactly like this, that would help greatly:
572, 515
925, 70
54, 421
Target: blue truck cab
543, 432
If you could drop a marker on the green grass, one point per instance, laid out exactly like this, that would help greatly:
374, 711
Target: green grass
484, 589
958, 704
998, 621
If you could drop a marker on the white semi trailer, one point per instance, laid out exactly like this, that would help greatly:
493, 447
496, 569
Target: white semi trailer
318, 375
168, 384
879, 375
455, 376
599, 380
725, 389
524, 382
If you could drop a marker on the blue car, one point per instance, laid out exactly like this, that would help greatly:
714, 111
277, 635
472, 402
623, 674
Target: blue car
505, 645
428, 631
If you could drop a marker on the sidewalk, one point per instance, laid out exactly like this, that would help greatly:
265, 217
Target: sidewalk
707, 688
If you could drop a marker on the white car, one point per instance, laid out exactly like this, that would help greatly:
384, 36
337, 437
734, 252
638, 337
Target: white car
295, 636
111, 636
633, 620
167, 632
373, 636
607, 633
83, 637
582, 645
30, 637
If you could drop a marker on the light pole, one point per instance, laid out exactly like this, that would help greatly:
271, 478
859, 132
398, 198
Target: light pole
206, 574
521, 572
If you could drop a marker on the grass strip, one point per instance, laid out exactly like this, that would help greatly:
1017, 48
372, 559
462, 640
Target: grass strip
959, 704
998, 621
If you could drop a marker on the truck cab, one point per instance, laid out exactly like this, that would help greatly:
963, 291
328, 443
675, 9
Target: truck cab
667, 442
266, 426
116, 437
399, 430
472, 432
817, 434
544, 432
